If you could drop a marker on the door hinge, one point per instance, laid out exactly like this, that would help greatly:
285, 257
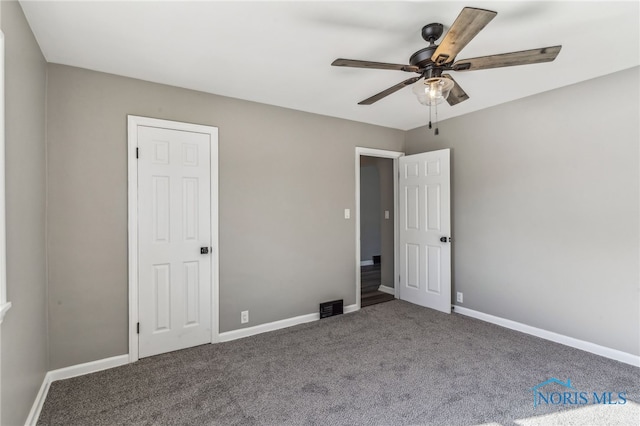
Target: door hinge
137, 153
138, 328
399, 279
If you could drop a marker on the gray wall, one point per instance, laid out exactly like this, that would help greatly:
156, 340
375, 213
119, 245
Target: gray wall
369, 211
545, 209
285, 179
24, 332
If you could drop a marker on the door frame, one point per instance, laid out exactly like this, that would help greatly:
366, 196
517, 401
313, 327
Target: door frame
133, 122
380, 153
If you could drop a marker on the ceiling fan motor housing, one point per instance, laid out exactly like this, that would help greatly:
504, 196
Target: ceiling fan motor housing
422, 60
422, 57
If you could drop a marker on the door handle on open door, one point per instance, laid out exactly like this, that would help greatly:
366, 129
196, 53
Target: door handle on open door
204, 250
444, 239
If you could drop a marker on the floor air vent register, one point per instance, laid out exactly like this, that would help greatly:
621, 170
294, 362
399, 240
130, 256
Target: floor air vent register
329, 309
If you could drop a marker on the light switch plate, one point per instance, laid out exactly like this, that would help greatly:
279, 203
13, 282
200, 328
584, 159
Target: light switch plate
386, 214
347, 214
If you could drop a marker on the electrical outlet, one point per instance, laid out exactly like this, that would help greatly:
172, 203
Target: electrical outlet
244, 317
459, 297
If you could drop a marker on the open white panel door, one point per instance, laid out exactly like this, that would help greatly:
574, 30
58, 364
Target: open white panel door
425, 230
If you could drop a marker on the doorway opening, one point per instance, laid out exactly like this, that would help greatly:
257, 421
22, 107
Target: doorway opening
376, 230
376, 226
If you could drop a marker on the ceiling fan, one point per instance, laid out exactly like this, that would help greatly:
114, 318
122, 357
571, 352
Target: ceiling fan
432, 61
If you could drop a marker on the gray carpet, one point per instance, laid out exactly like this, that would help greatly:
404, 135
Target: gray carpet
389, 364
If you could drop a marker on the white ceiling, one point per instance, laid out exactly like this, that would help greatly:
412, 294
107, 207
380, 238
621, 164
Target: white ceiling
279, 53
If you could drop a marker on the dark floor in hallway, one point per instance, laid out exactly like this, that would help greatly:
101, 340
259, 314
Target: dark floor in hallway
370, 279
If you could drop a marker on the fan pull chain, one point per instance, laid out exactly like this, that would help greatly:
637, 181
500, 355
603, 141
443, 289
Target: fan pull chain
437, 132
429, 116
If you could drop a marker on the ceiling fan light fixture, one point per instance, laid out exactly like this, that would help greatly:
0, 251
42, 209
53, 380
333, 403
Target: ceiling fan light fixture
432, 91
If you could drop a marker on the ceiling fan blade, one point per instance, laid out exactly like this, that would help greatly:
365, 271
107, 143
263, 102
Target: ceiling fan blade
466, 26
340, 62
533, 56
390, 90
456, 95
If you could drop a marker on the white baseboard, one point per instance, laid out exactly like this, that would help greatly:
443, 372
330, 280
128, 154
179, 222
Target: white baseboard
366, 262
388, 290
88, 367
593, 348
34, 414
67, 373
270, 326
228, 336
351, 308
